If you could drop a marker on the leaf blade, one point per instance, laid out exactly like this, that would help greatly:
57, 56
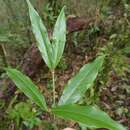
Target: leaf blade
41, 35
87, 115
25, 84
59, 37
78, 85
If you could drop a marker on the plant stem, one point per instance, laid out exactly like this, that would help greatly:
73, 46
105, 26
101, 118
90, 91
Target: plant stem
53, 85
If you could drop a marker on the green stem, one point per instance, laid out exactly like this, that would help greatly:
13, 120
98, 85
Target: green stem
53, 84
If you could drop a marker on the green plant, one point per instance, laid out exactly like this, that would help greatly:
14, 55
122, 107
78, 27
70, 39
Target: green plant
90, 116
23, 112
117, 50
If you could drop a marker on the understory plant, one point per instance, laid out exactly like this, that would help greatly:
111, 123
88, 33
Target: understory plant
67, 107
23, 112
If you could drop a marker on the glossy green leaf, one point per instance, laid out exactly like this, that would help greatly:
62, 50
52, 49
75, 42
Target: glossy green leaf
87, 115
41, 36
59, 37
78, 85
27, 87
